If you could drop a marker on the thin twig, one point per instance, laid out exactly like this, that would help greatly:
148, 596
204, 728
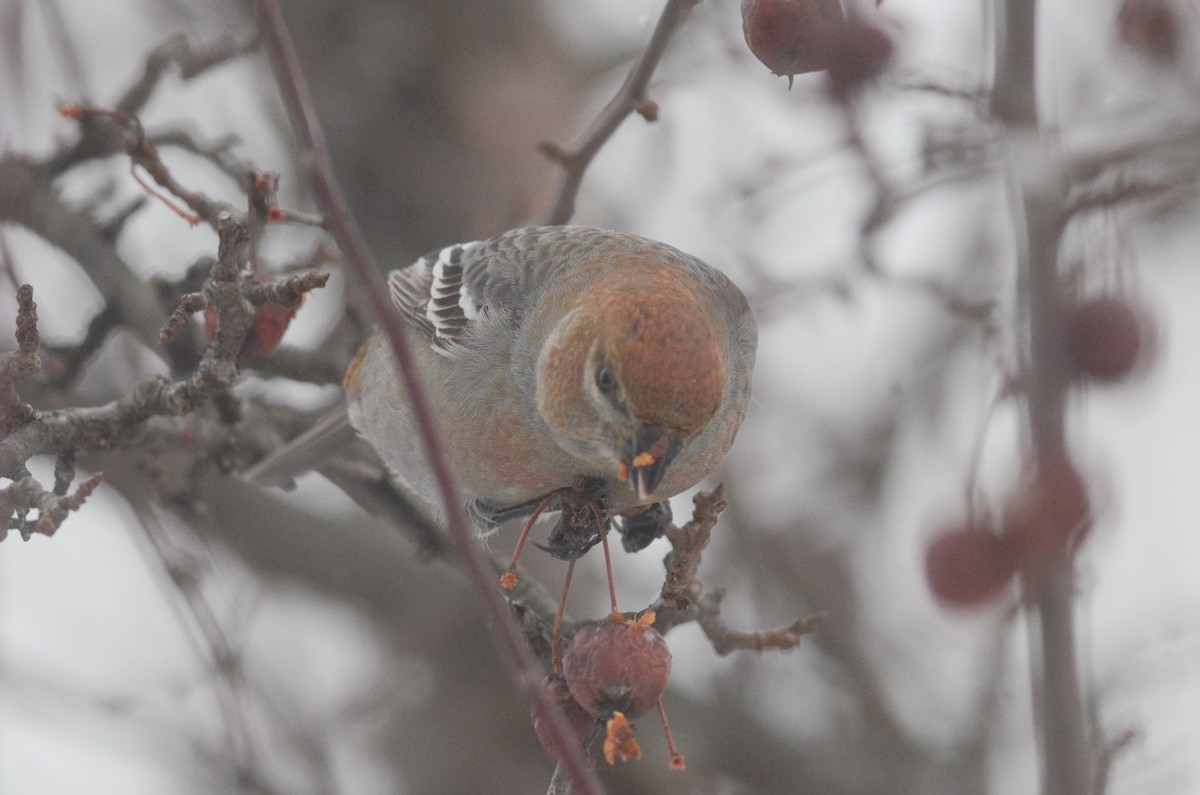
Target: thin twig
218, 153
725, 640
360, 262
191, 61
144, 154
98, 141
29, 197
630, 98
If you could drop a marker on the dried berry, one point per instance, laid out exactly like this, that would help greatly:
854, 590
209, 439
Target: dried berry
792, 37
1053, 515
582, 723
1150, 27
861, 53
1105, 337
970, 565
617, 665
270, 323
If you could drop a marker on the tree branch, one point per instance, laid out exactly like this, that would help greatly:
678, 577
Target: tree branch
682, 597
28, 197
1066, 752
629, 98
120, 423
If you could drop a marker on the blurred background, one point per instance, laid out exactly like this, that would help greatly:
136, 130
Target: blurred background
188, 633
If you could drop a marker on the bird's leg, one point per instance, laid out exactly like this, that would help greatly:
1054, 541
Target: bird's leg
643, 525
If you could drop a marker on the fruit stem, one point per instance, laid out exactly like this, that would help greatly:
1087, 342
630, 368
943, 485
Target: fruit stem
677, 761
555, 650
541, 506
603, 526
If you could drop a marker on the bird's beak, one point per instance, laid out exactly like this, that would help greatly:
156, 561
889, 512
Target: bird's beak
644, 461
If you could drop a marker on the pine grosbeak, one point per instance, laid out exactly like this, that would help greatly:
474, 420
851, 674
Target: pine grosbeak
556, 355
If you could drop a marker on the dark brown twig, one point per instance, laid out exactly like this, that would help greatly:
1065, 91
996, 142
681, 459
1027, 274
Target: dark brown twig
630, 98
360, 263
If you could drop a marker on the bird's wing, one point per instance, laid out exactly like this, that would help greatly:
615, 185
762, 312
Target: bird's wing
452, 294
431, 294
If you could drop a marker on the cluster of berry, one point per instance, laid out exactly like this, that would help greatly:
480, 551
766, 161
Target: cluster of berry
1106, 338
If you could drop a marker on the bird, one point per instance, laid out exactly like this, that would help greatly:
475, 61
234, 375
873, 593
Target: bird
555, 356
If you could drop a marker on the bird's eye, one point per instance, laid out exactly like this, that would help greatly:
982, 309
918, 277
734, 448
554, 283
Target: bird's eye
605, 381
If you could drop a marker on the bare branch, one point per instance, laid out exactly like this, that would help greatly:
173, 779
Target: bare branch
630, 98
144, 154
218, 153
682, 598
192, 61
28, 197
725, 640
119, 424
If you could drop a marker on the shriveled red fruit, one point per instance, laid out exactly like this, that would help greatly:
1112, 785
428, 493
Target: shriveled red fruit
617, 665
861, 53
970, 566
1150, 27
792, 37
1053, 515
582, 723
1105, 336
270, 323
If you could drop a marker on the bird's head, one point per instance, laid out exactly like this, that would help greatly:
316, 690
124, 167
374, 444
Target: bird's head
629, 376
